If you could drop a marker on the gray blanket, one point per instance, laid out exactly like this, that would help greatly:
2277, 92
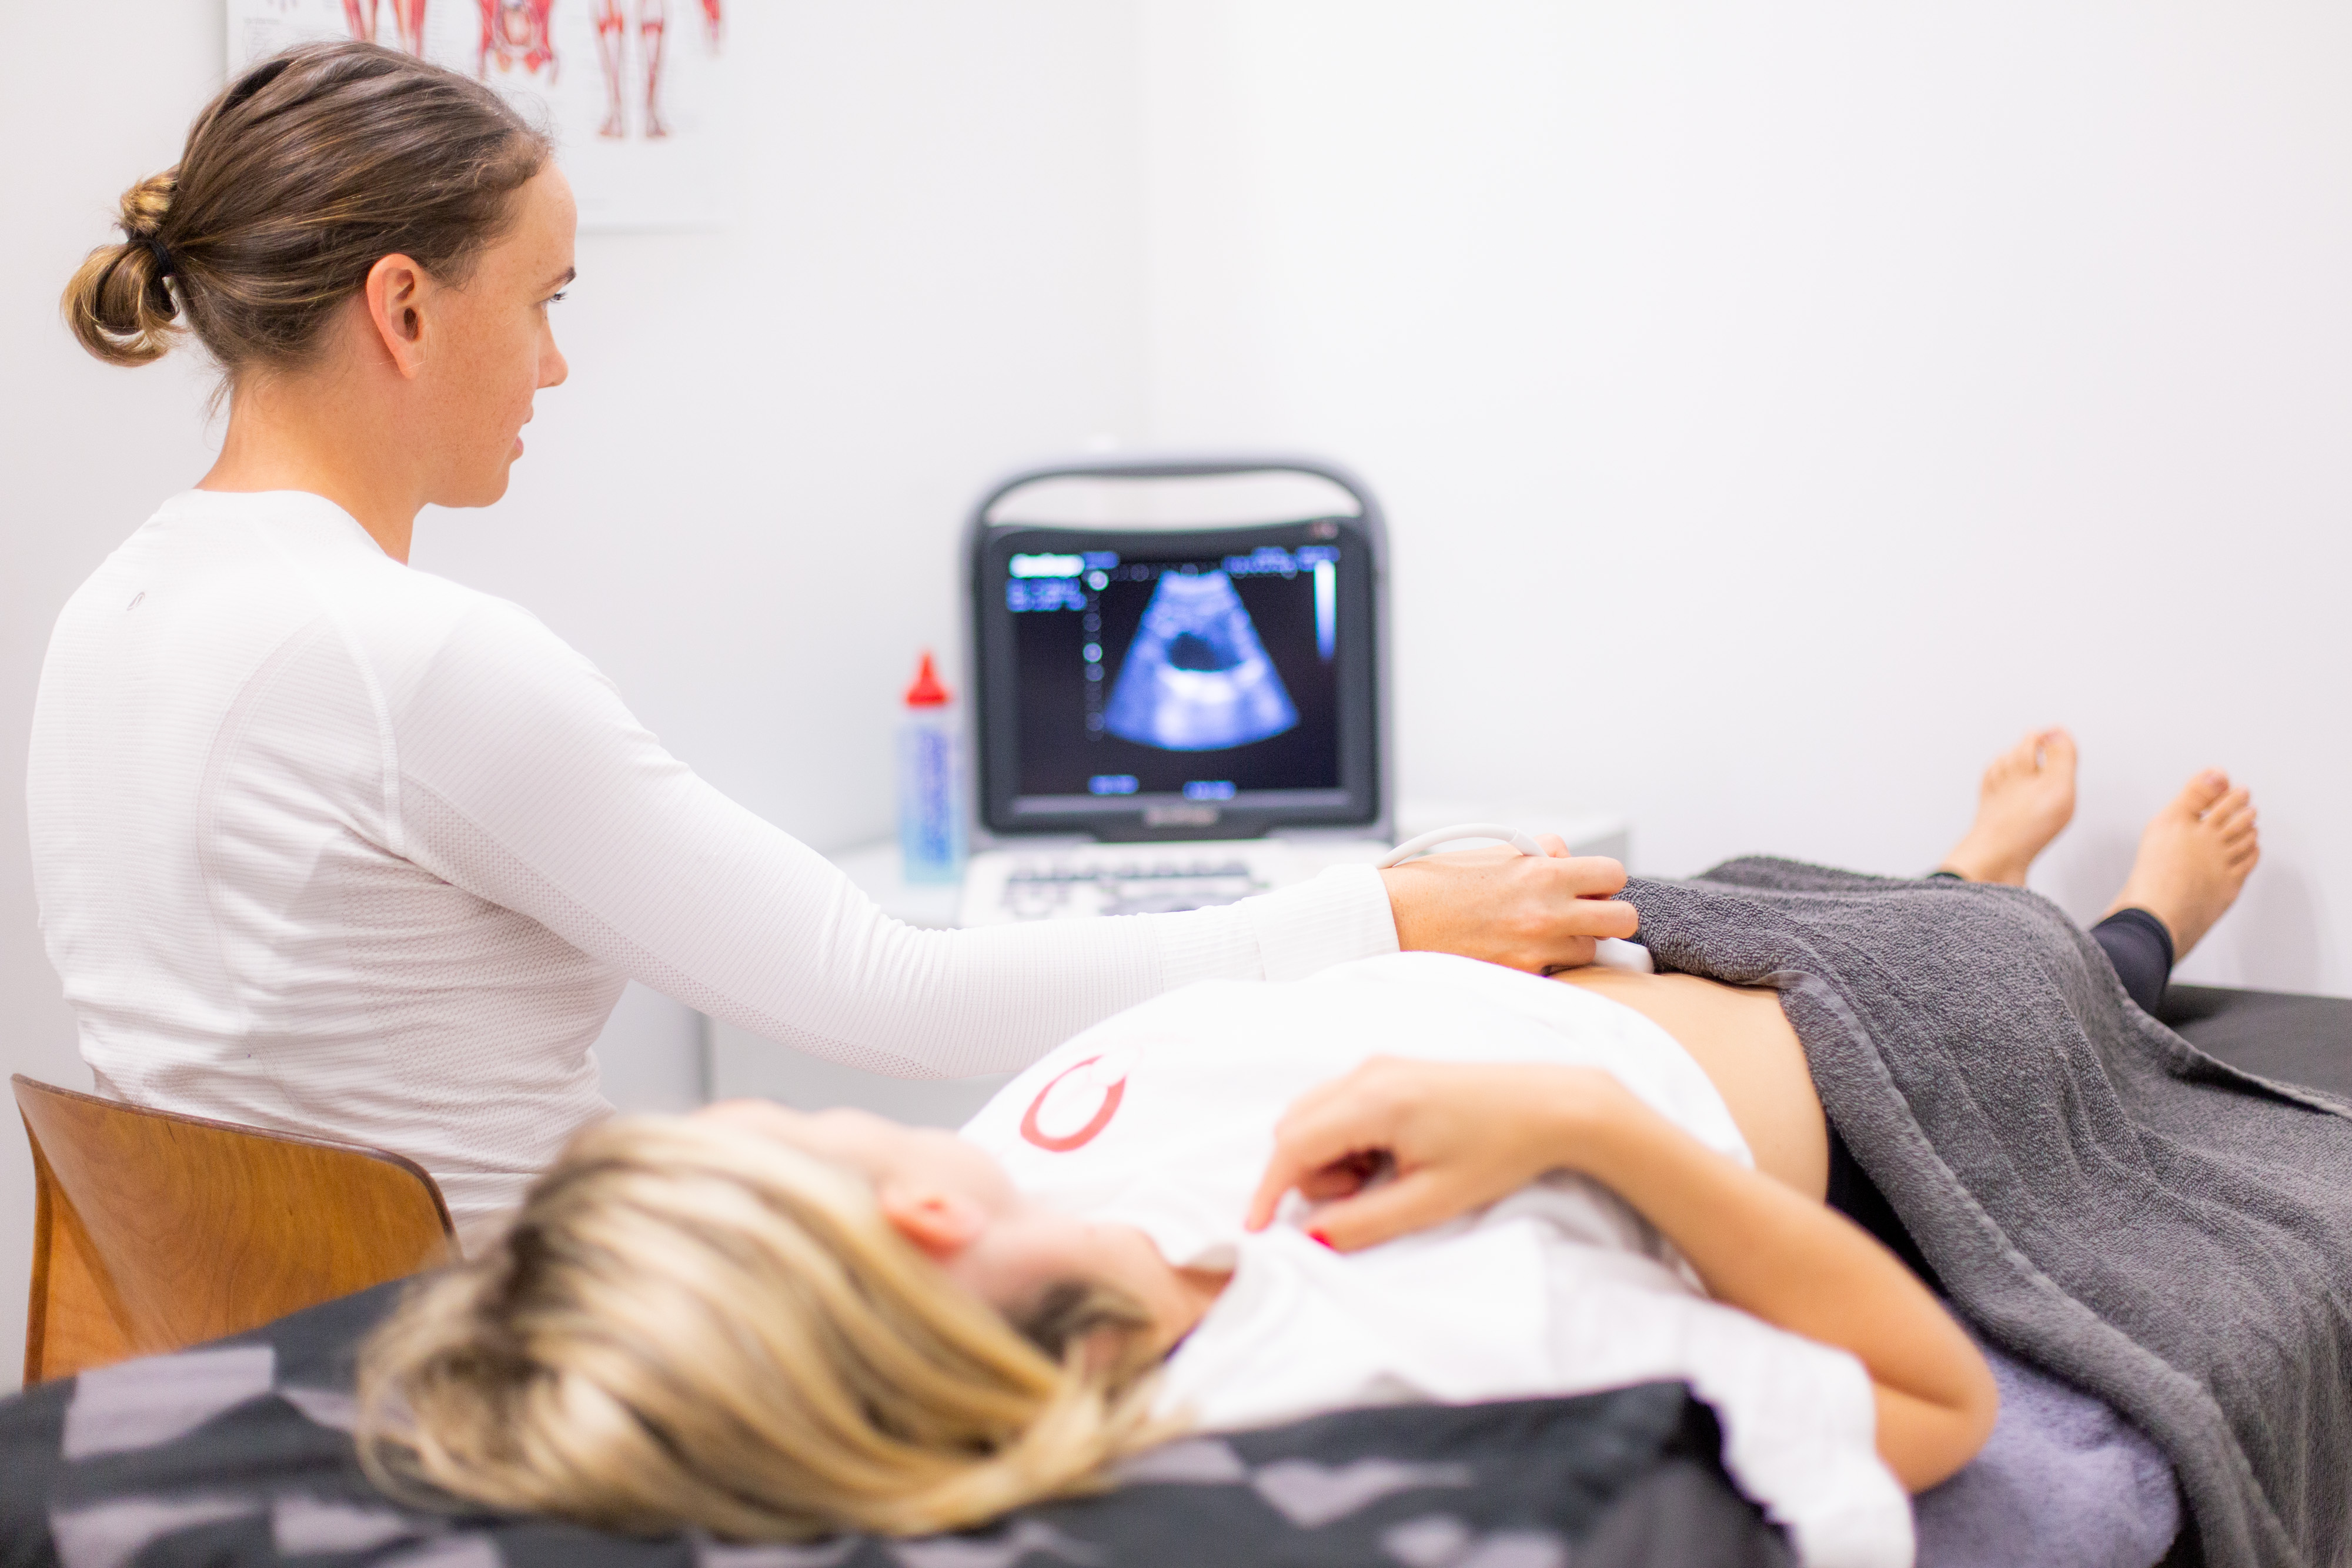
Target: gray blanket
2096, 1193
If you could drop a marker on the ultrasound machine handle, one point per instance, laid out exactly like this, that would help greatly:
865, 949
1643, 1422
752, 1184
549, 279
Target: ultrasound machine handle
1179, 467
1609, 952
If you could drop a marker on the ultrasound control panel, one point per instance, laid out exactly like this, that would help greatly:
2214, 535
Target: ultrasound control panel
1165, 883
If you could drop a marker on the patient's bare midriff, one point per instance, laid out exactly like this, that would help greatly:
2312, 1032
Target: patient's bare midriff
1741, 1039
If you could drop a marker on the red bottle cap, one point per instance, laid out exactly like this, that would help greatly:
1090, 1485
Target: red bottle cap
927, 691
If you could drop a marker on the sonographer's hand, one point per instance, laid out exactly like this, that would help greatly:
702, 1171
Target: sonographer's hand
1447, 1138
1531, 913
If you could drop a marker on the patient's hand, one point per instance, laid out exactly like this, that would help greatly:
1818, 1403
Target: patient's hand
1457, 1136
1462, 1134
1526, 912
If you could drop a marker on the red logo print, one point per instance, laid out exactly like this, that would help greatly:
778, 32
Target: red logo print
1065, 1142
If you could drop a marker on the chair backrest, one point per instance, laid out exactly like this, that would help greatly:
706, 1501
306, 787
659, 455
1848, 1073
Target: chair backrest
152, 1231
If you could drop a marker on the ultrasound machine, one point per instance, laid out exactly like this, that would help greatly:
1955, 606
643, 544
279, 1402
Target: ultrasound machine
1181, 685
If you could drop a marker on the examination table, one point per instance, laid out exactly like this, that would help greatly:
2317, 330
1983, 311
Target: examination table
237, 1455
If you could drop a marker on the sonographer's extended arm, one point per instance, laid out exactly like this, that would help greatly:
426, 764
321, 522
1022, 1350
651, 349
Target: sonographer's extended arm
526, 780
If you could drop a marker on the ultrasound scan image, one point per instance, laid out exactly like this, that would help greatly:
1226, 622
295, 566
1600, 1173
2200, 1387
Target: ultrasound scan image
1196, 677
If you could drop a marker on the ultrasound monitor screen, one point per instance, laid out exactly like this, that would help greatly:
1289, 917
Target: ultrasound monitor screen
1199, 678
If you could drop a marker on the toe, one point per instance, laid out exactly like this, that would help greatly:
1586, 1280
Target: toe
2058, 753
2196, 797
2232, 805
2017, 759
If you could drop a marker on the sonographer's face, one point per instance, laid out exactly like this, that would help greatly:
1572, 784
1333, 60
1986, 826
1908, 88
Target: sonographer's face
499, 344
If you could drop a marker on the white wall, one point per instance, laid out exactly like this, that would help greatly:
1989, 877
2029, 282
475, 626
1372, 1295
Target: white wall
743, 504
1782, 408
87, 452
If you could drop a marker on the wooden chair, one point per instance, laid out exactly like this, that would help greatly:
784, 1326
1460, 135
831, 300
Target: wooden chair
152, 1231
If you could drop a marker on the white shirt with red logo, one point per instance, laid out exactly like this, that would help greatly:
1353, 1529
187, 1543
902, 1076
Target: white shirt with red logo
1162, 1117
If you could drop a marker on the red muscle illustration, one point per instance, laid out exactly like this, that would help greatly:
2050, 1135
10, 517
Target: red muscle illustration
612, 35
515, 34
407, 22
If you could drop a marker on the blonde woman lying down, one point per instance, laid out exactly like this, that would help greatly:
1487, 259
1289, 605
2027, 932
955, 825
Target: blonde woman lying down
769, 1325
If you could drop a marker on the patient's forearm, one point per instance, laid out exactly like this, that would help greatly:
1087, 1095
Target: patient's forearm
1801, 1267
1462, 1134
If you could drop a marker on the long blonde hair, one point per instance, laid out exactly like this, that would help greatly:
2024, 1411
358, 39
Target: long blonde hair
690, 1324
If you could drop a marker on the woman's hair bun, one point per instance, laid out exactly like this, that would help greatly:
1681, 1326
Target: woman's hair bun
298, 177
119, 302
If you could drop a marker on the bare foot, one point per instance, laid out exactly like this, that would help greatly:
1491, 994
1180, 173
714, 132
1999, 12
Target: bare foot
2193, 858
2028, 795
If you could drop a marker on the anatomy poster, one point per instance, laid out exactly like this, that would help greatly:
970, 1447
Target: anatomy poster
632, 89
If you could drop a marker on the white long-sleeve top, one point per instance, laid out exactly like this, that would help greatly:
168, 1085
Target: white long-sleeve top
1163, 1118
327, 844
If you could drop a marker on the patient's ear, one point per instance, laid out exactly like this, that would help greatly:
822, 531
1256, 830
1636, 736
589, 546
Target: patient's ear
941, 1223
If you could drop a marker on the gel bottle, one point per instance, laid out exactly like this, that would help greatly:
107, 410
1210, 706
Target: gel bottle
930, 783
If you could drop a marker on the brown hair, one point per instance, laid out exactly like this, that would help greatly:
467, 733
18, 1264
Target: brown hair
304, 172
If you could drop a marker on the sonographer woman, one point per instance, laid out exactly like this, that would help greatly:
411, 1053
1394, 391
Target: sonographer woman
327, 844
